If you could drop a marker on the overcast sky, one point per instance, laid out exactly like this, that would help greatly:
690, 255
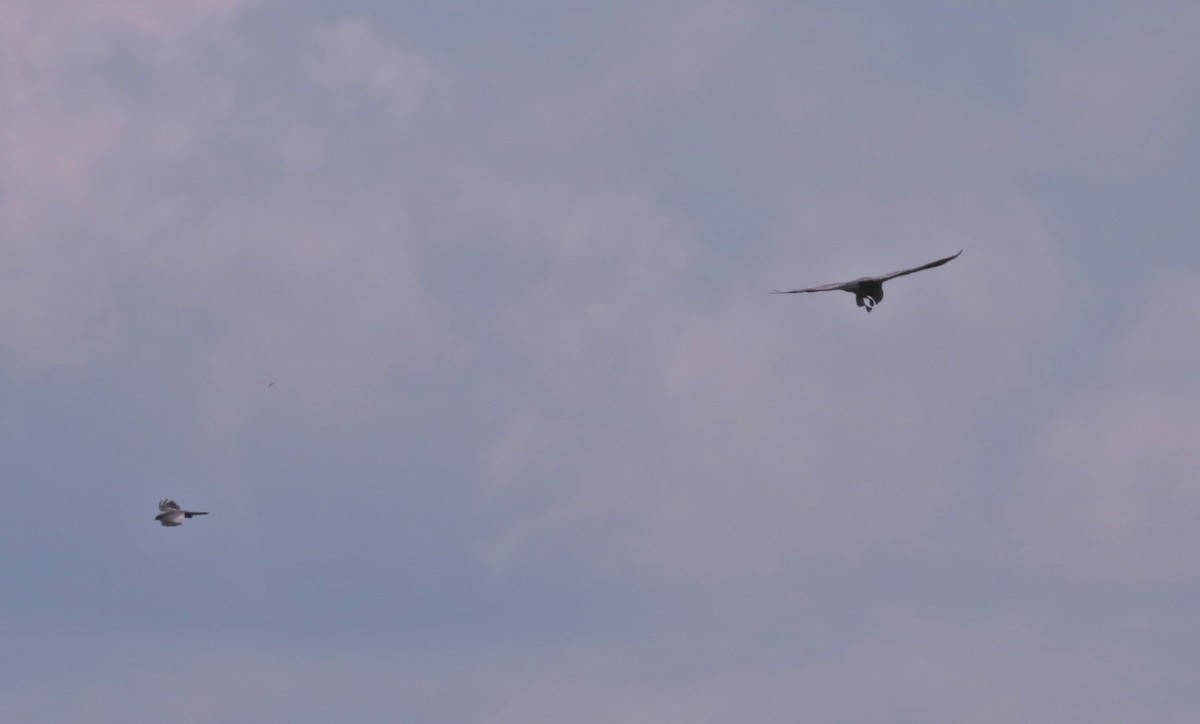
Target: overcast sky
455, 315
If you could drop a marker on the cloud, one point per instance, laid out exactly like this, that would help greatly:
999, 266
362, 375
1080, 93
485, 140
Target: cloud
125, 187
538, 432
352, 55
65, 145
1111, 495
202, 679
900, 664
1116, 97
726, 437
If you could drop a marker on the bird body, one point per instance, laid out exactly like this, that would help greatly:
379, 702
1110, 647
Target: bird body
868, 291
172, 514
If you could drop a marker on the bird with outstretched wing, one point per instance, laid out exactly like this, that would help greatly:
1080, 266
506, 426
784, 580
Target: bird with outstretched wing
868, 291
172, 514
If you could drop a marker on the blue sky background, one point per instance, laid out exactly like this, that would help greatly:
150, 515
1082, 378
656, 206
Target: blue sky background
538, 445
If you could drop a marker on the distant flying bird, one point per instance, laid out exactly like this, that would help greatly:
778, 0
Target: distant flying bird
868, 291
171, 514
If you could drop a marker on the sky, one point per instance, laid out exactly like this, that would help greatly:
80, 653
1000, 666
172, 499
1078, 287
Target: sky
456, 318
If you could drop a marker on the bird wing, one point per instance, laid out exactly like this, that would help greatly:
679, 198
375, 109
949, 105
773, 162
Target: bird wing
822, 288
167, 504
930, 265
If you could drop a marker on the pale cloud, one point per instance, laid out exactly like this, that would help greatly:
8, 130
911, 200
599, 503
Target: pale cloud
658, 54
1112, 494
57, 32
743, 431
82, 231
65, 147
351, 54
510, 278
900, 665
144, 19
201, 679
1118, 97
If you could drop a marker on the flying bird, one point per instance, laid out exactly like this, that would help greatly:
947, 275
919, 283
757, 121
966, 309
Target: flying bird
868, 291
171, 513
